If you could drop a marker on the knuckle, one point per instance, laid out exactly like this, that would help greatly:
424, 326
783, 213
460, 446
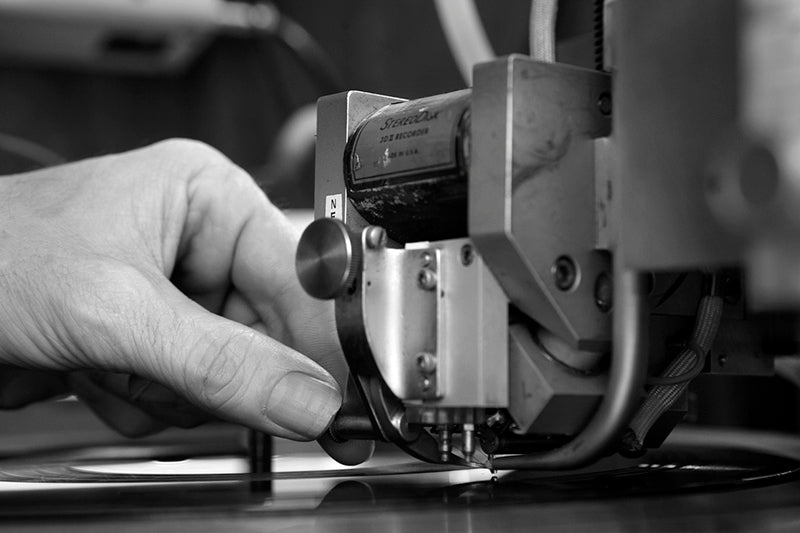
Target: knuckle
194, 150
112, 310
219, 377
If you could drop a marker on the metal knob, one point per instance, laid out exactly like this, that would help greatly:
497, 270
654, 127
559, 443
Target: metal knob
328, 258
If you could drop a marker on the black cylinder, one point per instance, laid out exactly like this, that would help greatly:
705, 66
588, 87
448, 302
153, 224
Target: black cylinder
406, 168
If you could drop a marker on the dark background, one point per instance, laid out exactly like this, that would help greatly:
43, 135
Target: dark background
238, 93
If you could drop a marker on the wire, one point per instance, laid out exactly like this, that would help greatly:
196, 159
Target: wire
626, 377
465, 35
671, 290
685, 367
700, 361
542, 30
29, 150
309, 54
264, 19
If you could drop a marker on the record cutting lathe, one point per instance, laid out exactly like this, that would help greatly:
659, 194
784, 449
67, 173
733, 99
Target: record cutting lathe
530, 272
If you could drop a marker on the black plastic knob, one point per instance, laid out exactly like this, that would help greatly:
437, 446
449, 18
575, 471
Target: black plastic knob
328, 258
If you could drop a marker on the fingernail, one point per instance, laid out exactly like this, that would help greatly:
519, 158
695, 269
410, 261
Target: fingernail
303, 404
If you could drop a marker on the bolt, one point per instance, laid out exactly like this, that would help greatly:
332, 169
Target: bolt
426, 384
467, 255
444, 443
603, 292
604, 104
468, 441
426, 362
731, 290
426, 279
565, 274
496, 419
375, 237
426, 259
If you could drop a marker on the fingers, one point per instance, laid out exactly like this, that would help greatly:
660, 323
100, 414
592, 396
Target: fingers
96, 294
163, 404
20, 386
232, 234
111, 409
235, 372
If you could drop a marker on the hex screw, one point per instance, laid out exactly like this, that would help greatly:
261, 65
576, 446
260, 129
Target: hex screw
565, 273
467, 254
375, 237
427, 279
426, 362
604, 104
604, 292
731, 290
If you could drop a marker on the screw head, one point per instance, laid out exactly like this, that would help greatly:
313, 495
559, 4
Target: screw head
375, 237
426, 279
426, 384
604, 104
426, 362
467, 254
565, 273
604, 292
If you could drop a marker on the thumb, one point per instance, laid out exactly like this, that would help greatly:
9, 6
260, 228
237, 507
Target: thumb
231, 370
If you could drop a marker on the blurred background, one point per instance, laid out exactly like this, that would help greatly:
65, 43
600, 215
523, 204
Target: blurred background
233, 90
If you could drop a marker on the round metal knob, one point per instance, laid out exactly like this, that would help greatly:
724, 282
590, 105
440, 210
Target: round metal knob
328, 259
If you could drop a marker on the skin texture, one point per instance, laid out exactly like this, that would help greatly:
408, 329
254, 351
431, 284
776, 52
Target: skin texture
159, 286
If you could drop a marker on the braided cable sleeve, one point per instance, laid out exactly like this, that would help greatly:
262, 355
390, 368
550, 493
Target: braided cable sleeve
662, 397
542, 30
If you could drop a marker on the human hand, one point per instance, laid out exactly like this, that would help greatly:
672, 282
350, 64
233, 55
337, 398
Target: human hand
168, 264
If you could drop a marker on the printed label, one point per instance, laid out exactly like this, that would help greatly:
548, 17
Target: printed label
408, 138
333, 206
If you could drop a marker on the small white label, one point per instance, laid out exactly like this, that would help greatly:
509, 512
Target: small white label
333, 206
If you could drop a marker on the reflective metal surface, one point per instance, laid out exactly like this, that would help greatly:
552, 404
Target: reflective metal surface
703, 480
326, 260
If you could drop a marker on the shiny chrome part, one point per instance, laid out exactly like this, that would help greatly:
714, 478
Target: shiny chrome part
461, 325
625, 382
326, 262
386, 411
400, 318
445, 444
468, 441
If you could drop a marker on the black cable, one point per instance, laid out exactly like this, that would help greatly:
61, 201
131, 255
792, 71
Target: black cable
29, 150
693, 372
626, 377
309, 54
671, 290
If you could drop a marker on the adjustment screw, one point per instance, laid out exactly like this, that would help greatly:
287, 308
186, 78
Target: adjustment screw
565, 273
427, 279
375, 237
426, 362
467, 255
604, 104
604, 292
